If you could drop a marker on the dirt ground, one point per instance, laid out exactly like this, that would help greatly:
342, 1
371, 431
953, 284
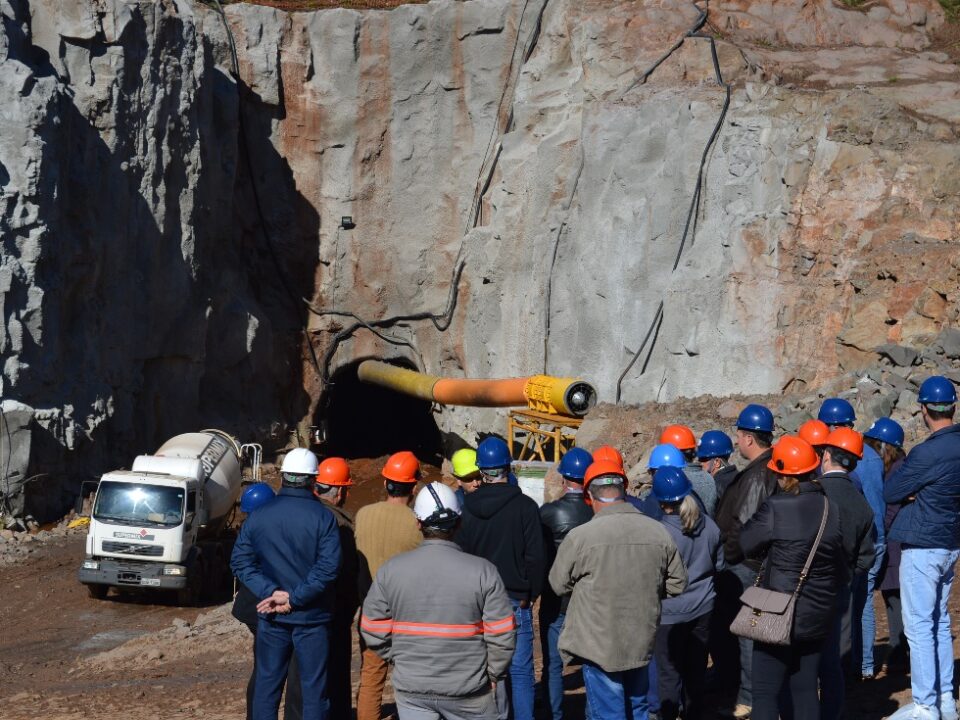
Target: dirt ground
65, 655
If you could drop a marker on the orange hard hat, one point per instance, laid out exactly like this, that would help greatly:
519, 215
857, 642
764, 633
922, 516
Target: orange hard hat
680, 436
600, 468
334, 472
846, 439
607, 453
793, 456
402, 467
814, 432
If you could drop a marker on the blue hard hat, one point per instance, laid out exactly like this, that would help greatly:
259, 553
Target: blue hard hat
255, 497
836, 411
714, 444
937, 390
886, 430
493, 453
755, 417
666, 456
670, 484
574, 463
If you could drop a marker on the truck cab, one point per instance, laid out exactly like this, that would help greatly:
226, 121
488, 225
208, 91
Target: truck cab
163, 524
142, 529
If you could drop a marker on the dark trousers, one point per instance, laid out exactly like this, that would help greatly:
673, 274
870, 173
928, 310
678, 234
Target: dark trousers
293, 701
276, 643
832, 684
339, 685
897, 651
786, 673
732, 655
681, 652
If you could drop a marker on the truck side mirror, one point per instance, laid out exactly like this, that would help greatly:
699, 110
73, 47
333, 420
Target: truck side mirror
87, 489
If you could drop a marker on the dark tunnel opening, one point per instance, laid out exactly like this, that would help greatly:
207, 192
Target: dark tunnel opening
361, 420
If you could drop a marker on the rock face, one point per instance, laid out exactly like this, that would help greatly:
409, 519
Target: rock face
162, 221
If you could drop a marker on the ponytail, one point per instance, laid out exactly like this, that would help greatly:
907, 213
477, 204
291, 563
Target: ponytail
689, 514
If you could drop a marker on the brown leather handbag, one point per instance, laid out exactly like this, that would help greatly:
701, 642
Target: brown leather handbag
767, 615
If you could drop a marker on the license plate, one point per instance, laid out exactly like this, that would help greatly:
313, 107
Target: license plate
150, 581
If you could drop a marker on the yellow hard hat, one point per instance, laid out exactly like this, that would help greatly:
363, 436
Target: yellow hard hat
465, 463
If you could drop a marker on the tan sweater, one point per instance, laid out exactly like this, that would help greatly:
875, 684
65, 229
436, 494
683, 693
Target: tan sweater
384, 530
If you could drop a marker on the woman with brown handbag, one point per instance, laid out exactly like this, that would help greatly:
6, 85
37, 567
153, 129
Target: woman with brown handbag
798, 532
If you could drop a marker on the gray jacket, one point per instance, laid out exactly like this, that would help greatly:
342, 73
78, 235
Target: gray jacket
617, 568
704, 485
443, 618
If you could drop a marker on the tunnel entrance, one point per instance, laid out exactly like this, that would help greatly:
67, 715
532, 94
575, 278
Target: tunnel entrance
369, 421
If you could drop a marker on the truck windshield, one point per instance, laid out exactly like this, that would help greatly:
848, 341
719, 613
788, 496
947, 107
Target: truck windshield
134, 504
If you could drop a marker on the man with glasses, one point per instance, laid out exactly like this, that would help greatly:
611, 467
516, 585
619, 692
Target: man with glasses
741, 500
502, 525
466, 472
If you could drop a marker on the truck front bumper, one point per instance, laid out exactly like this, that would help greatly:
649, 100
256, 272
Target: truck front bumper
124, 573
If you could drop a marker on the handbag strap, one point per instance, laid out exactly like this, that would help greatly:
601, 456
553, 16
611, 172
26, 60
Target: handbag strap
813, 550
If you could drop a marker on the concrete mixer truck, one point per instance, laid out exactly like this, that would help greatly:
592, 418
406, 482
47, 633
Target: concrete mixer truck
162, 525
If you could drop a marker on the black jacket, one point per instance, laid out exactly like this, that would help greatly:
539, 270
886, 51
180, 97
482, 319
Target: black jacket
245, 607
784, 530
502, 524
558, 518
741, 500
724, 477
856, 520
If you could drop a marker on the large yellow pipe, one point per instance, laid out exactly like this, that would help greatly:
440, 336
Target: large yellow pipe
558, 396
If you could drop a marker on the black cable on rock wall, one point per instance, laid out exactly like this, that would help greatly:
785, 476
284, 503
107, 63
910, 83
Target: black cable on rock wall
689, 226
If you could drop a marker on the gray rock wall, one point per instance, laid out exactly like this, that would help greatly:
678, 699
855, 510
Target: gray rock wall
161, 222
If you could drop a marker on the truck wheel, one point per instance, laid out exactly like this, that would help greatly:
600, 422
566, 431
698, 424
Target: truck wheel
190, 595
98, 592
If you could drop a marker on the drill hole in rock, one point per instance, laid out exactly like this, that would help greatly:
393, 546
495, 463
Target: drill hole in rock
361, 420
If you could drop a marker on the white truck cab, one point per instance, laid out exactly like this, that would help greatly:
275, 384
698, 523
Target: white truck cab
161, 524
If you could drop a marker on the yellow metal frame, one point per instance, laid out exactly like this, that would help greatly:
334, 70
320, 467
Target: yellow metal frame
533, 430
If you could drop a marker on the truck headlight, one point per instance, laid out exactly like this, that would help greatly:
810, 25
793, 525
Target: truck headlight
91, 565
174, 570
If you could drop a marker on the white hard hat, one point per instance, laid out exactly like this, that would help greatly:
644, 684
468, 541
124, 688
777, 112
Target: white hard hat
299, 461
436, 505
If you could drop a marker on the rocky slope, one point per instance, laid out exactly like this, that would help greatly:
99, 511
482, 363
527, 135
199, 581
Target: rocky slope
161, 221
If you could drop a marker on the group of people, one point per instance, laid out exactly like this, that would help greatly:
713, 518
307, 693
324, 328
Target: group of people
638, 586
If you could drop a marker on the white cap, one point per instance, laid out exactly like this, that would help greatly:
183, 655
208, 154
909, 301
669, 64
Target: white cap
299, 461
437, 503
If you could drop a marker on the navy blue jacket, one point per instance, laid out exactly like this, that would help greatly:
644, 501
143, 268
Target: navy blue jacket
292, 543
931, 475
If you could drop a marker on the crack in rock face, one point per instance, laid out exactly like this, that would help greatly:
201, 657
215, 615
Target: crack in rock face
162, 220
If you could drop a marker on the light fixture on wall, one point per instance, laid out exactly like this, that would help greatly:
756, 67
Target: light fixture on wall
347, 223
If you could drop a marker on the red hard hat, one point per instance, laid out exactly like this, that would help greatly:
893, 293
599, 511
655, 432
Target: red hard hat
793, 456
680, 436
607, 453
334, 472
402, 467
846, 439
814, 432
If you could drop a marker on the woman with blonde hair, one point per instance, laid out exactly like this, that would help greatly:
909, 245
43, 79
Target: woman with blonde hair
680, 647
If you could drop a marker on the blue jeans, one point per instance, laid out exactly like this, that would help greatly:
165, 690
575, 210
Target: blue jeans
926, 576
275, 644
550, 629
521, 666
617, 695
864, 623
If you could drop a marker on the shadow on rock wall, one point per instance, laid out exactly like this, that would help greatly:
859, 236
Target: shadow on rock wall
149, 297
